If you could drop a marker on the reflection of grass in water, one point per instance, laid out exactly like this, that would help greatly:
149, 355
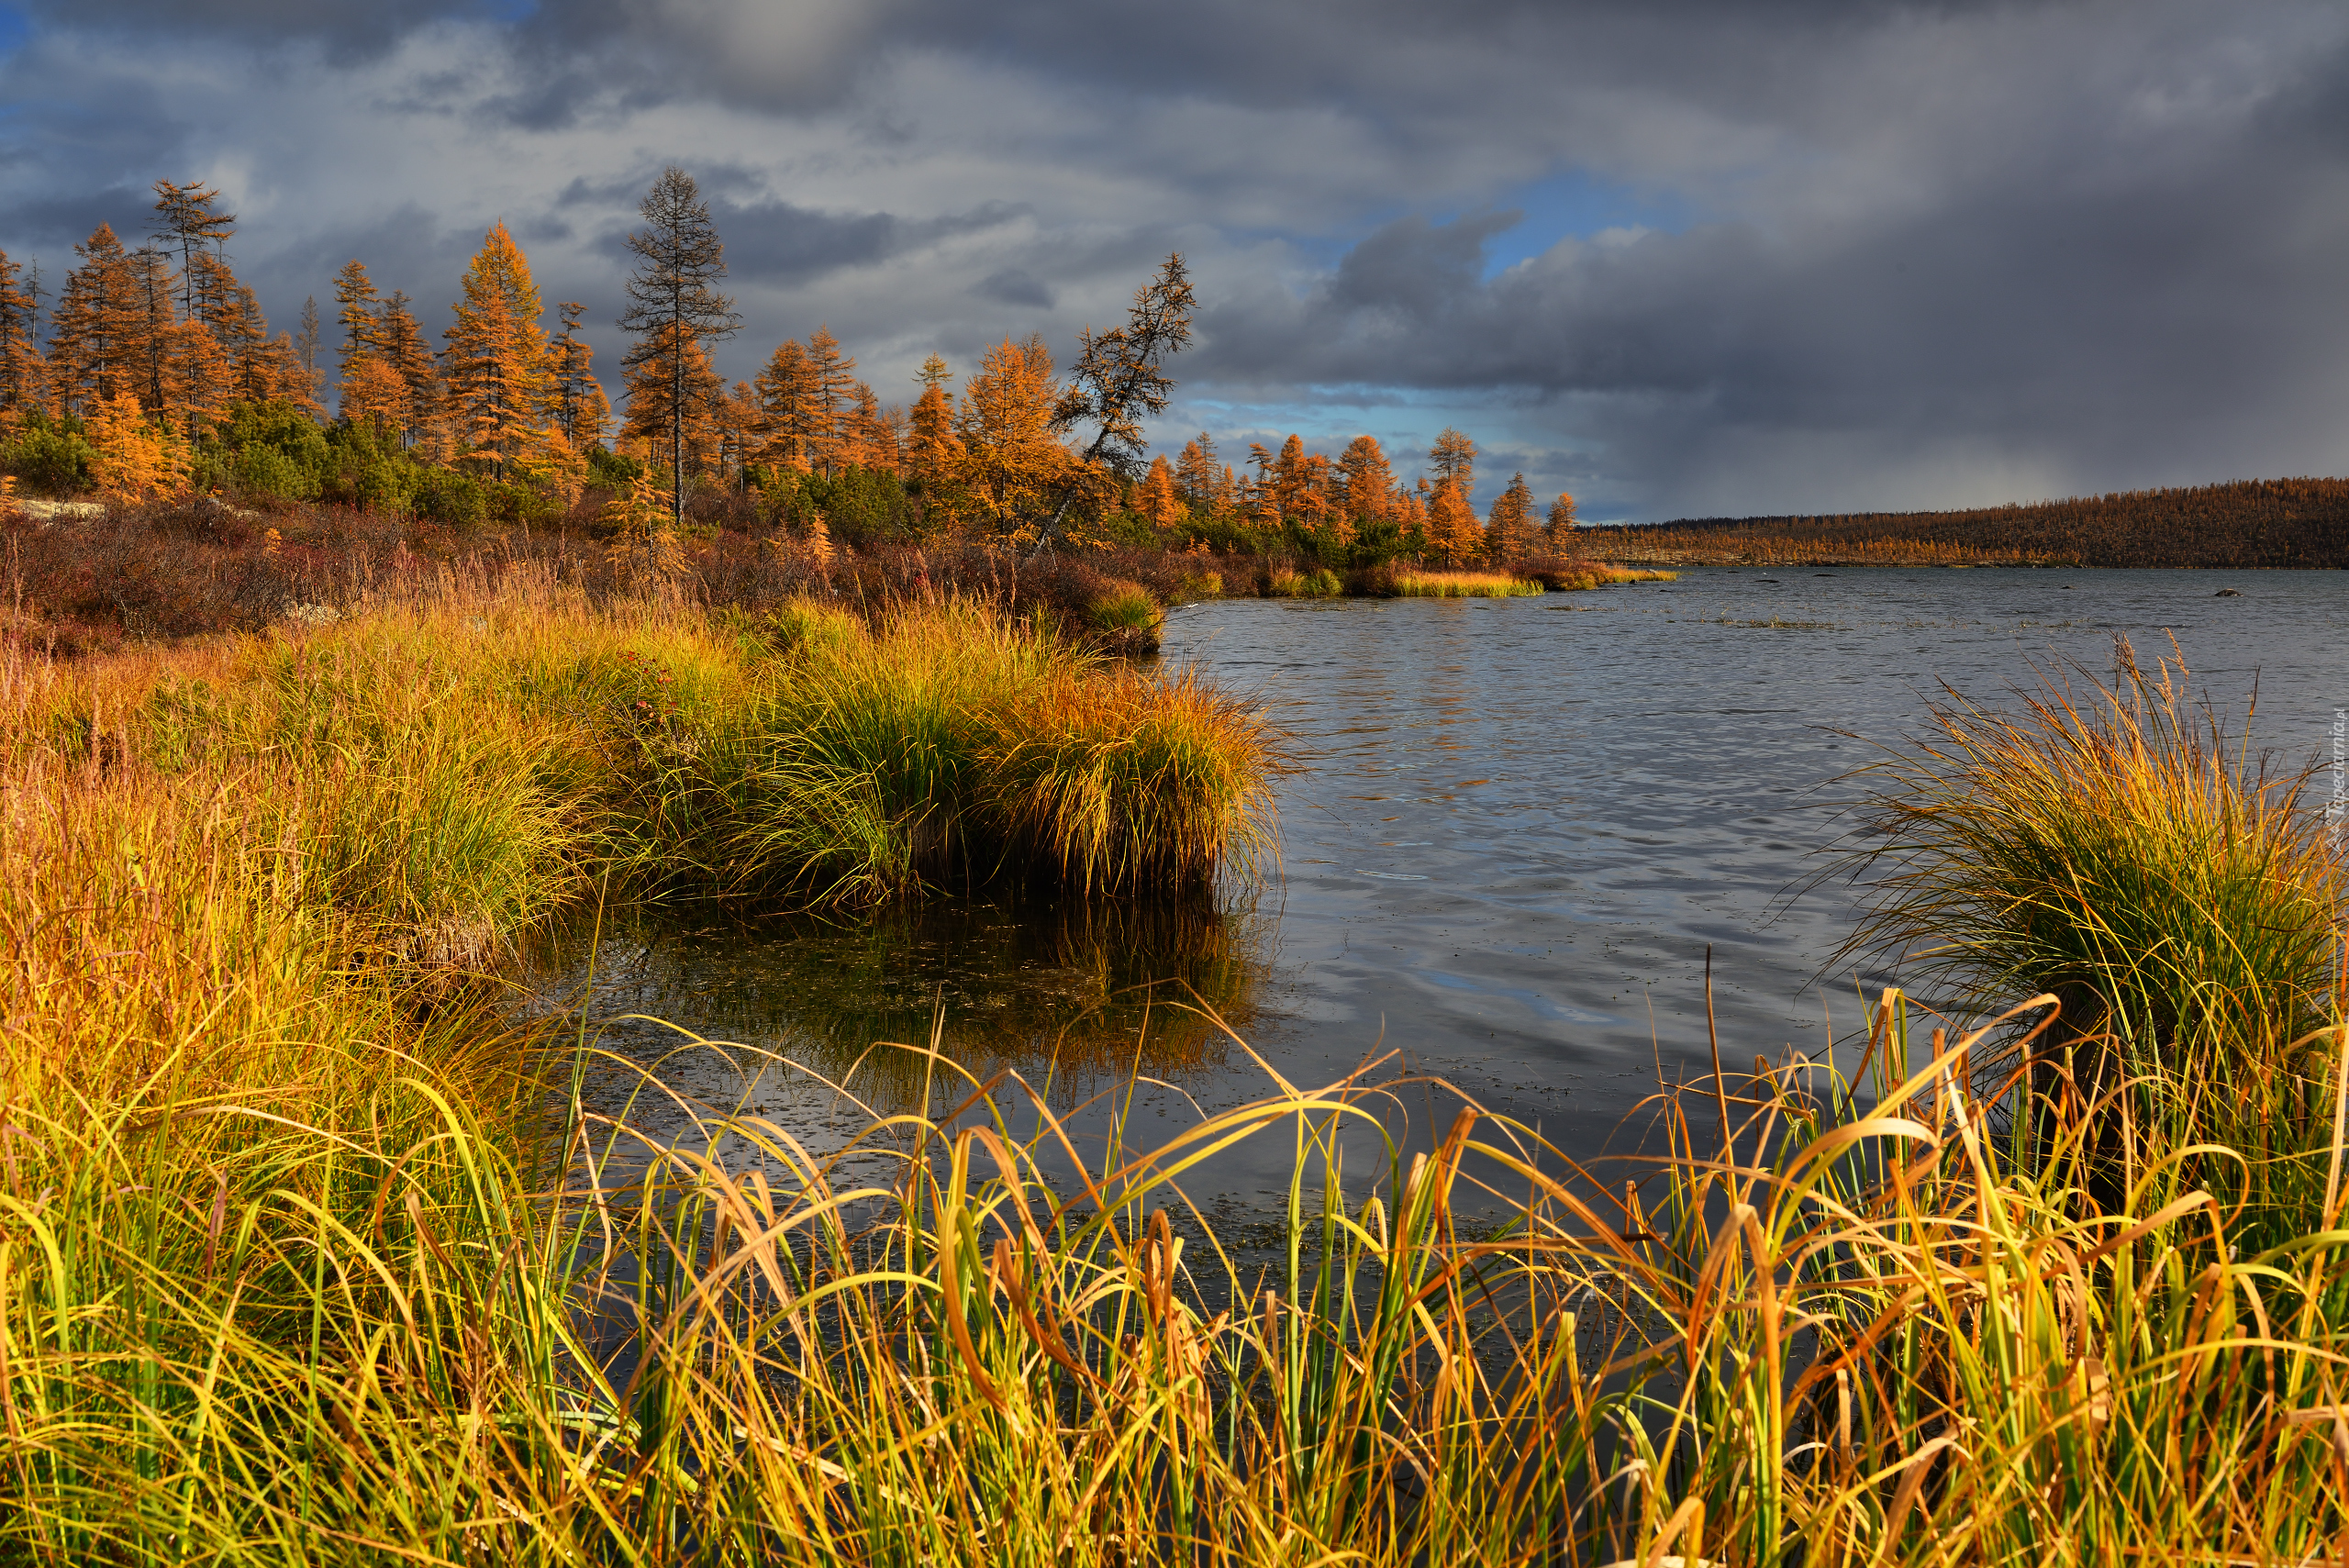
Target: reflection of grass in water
1086, 989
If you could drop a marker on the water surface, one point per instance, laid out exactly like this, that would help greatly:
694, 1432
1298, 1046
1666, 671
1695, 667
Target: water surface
1518, 826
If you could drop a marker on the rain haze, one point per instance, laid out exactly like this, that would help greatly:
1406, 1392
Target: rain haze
1681, 259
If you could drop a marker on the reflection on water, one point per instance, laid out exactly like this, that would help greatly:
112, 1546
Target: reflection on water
1069, 993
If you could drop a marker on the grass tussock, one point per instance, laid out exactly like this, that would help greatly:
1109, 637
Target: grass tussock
1288, 583
1575, 576
1421, 584
449, 767
2111, 842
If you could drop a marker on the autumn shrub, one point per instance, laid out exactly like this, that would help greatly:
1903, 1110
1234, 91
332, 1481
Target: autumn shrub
52, 458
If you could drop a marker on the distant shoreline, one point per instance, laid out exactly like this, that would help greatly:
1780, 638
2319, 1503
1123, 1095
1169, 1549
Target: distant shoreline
2262, 524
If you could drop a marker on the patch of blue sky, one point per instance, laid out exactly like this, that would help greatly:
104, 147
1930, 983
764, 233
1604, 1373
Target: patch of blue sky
16, 27
1577, 205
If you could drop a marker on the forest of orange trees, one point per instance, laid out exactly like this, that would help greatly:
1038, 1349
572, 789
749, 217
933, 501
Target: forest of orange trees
148, 375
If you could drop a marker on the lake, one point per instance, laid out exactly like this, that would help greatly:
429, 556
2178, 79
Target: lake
1516, 828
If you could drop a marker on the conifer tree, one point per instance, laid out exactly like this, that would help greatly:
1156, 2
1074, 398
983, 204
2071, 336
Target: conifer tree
1198, 473
190, 220
1118, 381
672, 308
933, 453
1453, 456
1451, 532
653, 420
354, 296
871, 440
306, 346
1012, 466
24, 380
1560, 529
500, 390
134, 458
790, 421
582, 411
374, 396
150, 348
400, 342
832, 389
1508, 527
1411, 514
94, 329
1366, 483
1156, 498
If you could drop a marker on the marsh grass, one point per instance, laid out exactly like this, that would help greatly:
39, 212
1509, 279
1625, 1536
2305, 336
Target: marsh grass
1576, 575
1288, 583
1417, 585
1841, 1336
2112, 842
295, 1266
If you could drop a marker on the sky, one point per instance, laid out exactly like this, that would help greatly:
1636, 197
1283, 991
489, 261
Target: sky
1681, 258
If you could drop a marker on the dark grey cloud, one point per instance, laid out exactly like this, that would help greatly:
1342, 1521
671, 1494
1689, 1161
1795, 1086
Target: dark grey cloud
780, 243
347, 30
1013, 286
1910, 253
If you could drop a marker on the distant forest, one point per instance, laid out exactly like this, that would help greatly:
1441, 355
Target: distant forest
148, 372
2248, 523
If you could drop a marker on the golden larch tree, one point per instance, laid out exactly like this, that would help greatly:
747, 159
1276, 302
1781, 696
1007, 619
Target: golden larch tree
135, 457
1451, 530
401, 342
868, 438
1156, 497
1411, 514
354, 297
581, 410
1508, 527
1012, 465
790, 421
373, 397
933, 456
93, 347
1560, 529
24, 375
499, 387
1366, 483
1200, 473
656, 416
1453, 456
832, 385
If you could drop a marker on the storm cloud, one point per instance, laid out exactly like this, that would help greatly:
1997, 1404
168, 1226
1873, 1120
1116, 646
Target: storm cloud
1683, 257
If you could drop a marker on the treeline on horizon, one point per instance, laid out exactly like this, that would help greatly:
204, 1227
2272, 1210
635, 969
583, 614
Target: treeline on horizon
150, 373
2253, 523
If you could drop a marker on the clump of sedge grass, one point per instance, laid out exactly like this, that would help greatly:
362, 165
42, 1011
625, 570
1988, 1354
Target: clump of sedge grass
1288, 583
1413, 584
2112, 844
1122, 606
1582, 574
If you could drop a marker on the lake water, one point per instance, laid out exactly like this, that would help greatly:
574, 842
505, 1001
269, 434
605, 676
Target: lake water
1516, 829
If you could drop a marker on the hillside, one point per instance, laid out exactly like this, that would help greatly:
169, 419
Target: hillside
2247, 523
